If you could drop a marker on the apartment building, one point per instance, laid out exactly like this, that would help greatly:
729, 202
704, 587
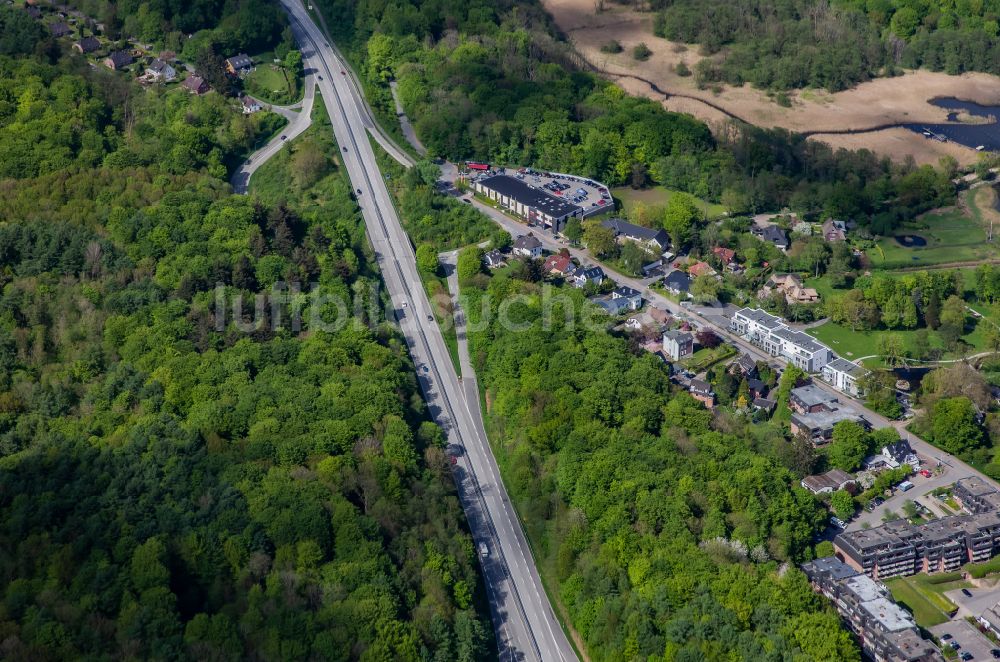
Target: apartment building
815, 413
772, 335
885, 630
900, 548
976, 495
844, 376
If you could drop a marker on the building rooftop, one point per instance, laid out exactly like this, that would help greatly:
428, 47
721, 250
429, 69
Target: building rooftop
802, 340
761, 317
678, 335
829, 566
811, 395
529, 196
843, 365
528, 242
975, 486
830, 480
889, 615
622, 227
626, 291
677, 280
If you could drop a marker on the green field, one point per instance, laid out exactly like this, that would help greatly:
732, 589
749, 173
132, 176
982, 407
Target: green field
953, 235
657, 196
271, 83
854, 345
924, 598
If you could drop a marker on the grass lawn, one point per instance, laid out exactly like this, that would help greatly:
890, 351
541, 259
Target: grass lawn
926, 600
854, 345
953, 235
703, 359
271, 83
657, 196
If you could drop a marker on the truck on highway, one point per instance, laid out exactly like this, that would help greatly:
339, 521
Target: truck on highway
484, 550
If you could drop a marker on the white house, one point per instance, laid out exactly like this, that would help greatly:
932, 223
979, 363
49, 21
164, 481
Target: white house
632, 297
844, 376
528, 246
160, 70
678, 344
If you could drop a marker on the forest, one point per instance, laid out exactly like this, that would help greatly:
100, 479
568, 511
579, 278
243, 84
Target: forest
179, 479
492, 83
666, 535
800, 43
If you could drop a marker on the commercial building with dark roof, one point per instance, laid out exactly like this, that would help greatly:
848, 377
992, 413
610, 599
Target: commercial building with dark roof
528, 202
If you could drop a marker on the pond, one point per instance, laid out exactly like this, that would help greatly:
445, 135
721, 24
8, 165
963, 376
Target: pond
984, 133
910, 240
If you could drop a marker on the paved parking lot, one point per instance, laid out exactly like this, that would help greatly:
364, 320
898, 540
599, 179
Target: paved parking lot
591, 195
968, 637
975, 604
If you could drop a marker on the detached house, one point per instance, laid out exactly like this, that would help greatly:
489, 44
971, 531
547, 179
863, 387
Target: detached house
239, 64
195, 84
160, 70
657, 239
60, 29
791, 286
772, 234
493, 259
558, 265
249, 105
702, 392
678, 344
118, 60
583, 276
701, 269
631, 297
87, 45
726, 255
677, 283
528, 246
834, 230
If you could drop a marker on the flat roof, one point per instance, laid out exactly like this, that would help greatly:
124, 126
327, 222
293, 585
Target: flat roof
530, 196
890, 615
762, 317
843, 365
801, 340
826, 419
829, 565
975, 486
812, 395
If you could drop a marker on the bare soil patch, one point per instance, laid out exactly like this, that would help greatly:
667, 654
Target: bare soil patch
869, 105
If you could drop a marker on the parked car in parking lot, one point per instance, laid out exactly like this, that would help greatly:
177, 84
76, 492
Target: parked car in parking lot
925, 473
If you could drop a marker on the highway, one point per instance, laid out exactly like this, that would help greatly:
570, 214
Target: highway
525, 624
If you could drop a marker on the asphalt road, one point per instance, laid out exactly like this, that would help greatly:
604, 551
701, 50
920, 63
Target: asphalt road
527, 628
297, 123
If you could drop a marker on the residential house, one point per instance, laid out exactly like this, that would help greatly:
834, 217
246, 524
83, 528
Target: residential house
772, 234
249, 104
493, 259
834, 230
772, 335
702, 392
87, 45
652, 269
701, 269
844, 376
559, 264
584, 276
678, 344
726, 255
118, 60
765, 404
758, 389
656, 239
195, 84
160, 70
527, 245
60, 29
745, 365
976, 495
33, 12
677, 283
239, 64
791, 286
900, 453
631, 296
886, 631
611, 305
832, 481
